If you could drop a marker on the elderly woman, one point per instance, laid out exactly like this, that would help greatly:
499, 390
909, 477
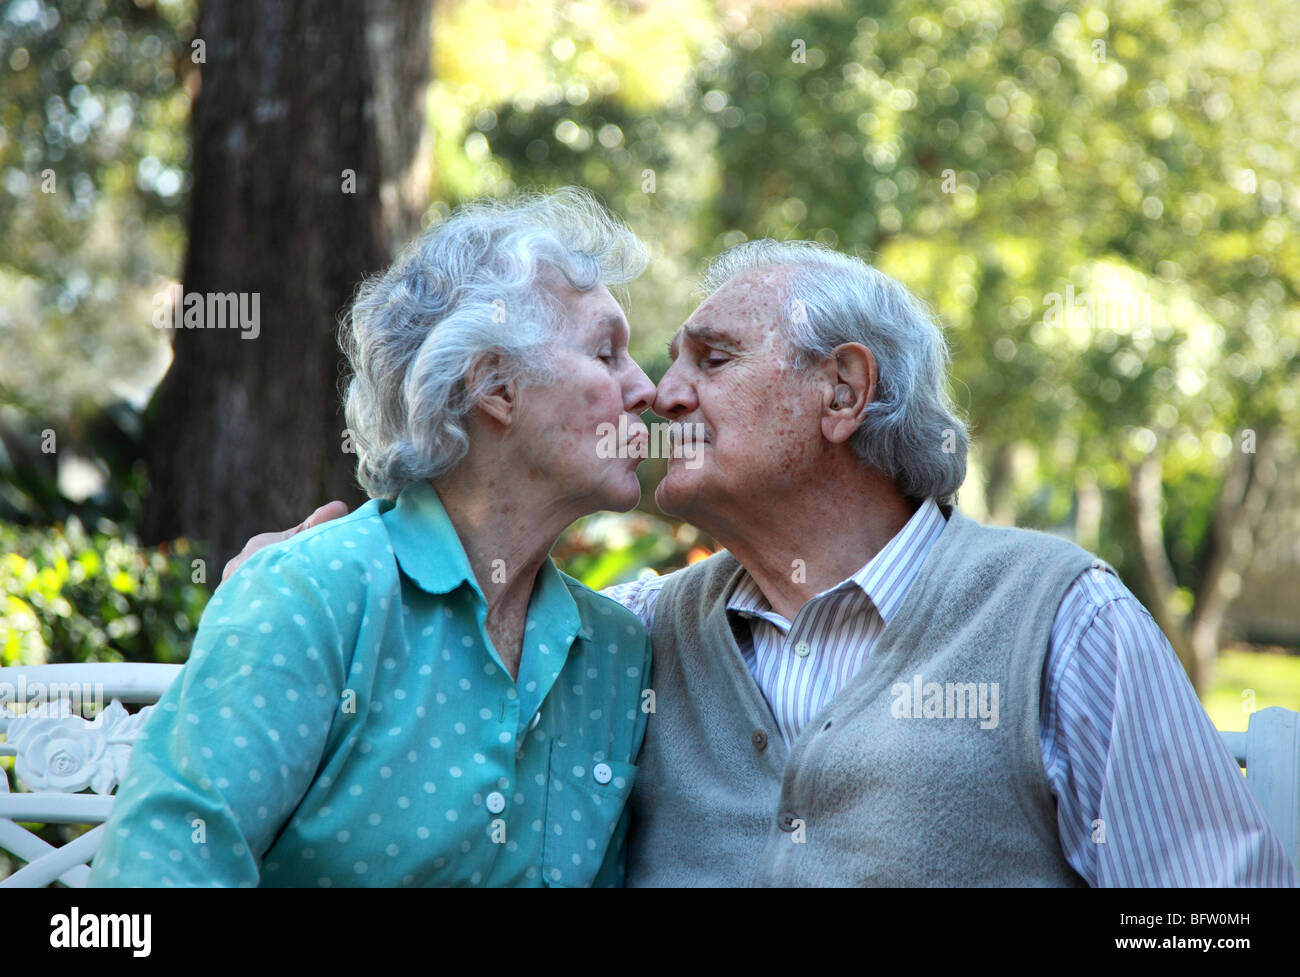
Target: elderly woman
414, 694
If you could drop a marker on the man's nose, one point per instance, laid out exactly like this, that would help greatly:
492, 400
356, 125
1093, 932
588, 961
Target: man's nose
639, 391
675, 396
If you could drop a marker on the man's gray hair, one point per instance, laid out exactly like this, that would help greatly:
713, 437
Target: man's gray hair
474, 285
911, 431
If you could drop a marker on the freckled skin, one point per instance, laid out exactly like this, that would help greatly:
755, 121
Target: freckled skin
557, 433
777, 482
762, 418
538, 444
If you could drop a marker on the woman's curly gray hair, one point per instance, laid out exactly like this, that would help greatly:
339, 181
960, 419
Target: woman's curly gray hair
469, 286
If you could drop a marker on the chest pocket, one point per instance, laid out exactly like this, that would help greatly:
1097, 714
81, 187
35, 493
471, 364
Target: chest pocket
584, 801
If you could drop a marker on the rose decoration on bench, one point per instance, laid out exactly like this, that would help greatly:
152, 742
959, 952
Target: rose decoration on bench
57, 750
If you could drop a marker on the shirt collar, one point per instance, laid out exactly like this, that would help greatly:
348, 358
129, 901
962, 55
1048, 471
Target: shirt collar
430, 552
884, 579
425, 541
888, 575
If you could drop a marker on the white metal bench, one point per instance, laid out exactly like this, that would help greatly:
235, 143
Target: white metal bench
1270, 752
59, 755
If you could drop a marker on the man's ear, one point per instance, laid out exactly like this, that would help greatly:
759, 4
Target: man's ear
495, 398
850, 387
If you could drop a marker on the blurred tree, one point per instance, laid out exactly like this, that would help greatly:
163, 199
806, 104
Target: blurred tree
306, 131
93, 103
591, 93
1097, 201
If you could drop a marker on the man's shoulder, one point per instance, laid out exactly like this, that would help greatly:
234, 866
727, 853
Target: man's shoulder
719, 565
602, 613
697, 589
975, 539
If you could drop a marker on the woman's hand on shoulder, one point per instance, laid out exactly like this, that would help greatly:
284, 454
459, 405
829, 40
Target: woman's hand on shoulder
331, 510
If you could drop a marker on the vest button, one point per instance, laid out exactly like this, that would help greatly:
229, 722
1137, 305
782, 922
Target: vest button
786, 821
760, 740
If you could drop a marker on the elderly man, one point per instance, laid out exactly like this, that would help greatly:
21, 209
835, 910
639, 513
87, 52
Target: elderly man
868, 688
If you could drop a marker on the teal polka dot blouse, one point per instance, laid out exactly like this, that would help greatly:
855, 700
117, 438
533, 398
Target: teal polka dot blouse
343, 720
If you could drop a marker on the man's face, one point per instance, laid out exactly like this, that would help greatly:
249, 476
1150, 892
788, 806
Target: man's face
731, 374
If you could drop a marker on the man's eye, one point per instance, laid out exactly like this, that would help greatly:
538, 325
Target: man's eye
714, 359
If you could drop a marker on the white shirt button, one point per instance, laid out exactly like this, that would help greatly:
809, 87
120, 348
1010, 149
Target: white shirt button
602, 773
802, 649
496, 803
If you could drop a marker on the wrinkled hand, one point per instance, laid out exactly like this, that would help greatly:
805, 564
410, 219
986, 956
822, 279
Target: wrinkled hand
331, 510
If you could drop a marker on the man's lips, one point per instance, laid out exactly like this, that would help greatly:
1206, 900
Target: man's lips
686, 433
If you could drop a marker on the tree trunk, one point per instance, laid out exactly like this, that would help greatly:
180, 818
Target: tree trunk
998, 483
1087, 516
246, 433
1156, 580
1238, 515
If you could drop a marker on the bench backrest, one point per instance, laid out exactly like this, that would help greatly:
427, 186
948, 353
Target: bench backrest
59, 754
1270, 752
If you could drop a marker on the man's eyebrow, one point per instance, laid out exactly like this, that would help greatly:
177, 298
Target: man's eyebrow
710, 336
704, 336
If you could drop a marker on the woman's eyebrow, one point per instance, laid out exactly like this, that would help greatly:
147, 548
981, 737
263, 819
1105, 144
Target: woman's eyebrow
614, 323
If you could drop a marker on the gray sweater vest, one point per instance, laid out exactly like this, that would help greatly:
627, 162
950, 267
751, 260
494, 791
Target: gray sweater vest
924, 770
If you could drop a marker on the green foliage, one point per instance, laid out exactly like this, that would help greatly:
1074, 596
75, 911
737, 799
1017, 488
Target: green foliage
67, 595
1270, 680
608, 548
997, 157
93, 174
597, 94
1096, 200
107, 446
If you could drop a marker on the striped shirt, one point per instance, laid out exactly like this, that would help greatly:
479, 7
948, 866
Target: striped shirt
1130, 754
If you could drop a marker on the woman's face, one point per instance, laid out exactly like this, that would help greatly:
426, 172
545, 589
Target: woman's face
575, 434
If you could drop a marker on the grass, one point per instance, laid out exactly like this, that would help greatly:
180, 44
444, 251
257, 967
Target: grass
1271, 677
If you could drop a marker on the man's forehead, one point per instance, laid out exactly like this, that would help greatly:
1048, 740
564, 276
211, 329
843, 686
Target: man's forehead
745, 309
